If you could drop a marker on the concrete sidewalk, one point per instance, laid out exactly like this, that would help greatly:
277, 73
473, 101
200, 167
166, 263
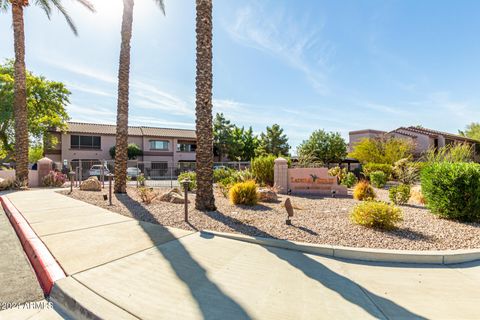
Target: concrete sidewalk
124, 269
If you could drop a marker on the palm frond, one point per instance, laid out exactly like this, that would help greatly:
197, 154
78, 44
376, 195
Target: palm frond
4, 4
45, 5
87, 4
161, 4
59, 6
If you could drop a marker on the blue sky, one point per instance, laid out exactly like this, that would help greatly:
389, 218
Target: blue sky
304, 64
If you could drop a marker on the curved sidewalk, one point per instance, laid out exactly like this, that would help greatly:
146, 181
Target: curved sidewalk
119, 267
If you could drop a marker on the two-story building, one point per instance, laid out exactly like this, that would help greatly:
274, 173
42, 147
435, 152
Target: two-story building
422, 138
162, 147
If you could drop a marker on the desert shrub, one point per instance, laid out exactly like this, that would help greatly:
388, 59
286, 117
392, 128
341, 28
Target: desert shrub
222, 173
452, 190
372, 167
262, 169
406, 172
147, 195
190, 175
363, 191
416, 195
349, 180
459, 152
378, 179
244, 193
338, 172
141, 180
54, 179
376, 214
400, 194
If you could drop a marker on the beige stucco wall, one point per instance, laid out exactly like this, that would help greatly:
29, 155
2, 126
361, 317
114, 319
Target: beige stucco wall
107, 141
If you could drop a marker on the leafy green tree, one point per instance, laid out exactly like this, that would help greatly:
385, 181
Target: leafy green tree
328, 147
382, 150
250, 144
236, 146
273, 141
222, 135
46, 102
472, 131
133, 151
35, 153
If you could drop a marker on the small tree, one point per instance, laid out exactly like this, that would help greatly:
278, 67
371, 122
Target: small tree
382, 150
273, 141
328, 147
472, 131
222, 135
133, 151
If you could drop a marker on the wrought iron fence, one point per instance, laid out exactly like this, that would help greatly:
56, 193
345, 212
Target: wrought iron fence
156, 173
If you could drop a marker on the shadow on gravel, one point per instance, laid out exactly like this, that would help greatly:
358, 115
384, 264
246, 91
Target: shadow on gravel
407, 233
206, 293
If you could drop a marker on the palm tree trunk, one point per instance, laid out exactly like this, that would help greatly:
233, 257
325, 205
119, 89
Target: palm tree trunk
121, 151
204, 130
20, 95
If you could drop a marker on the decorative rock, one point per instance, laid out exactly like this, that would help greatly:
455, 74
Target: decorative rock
5, 184
267, 195
173, 196
91, 184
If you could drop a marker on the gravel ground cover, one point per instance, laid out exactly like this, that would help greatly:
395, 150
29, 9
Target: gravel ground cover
321, 220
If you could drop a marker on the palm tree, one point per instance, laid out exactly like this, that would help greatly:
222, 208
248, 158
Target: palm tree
121, 152
204, 166
20, 90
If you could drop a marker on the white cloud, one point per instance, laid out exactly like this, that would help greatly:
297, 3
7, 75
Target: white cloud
88, 89
293, 40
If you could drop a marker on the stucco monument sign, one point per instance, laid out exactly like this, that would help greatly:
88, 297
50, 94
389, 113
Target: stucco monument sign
306, 180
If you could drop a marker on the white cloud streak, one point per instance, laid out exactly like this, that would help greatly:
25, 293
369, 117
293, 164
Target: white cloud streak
293, 40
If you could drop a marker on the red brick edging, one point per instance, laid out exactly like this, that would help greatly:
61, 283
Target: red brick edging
46, 267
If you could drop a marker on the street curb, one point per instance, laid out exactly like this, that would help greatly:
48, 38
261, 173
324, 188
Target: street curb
46, 267
443, 257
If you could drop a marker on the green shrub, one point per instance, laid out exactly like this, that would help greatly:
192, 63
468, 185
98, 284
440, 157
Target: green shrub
244, 193
452, 190
400, 194
363, 191
378, 179
406, 172
262, 169
350, 180
459, 152
222, 173
372, 167
190, 175
376, 214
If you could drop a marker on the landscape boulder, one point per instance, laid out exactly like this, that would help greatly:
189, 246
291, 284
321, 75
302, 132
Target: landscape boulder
173, 196
91, 184
267, 195
5, 184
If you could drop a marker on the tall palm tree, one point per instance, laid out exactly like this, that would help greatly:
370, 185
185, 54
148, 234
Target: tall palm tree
121, 152
204, 166
20, 90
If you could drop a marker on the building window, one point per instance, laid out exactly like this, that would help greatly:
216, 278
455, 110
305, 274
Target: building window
157, 165
85, 142
185, 146
159, 145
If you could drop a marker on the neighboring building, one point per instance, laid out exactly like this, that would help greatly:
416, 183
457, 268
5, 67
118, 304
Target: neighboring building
162, 147
422, 138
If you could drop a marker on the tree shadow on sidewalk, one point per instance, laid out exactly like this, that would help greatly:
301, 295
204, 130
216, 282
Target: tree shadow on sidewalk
330, 279
205, 292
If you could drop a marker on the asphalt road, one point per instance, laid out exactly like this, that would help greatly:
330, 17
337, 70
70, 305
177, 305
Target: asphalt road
18, 283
